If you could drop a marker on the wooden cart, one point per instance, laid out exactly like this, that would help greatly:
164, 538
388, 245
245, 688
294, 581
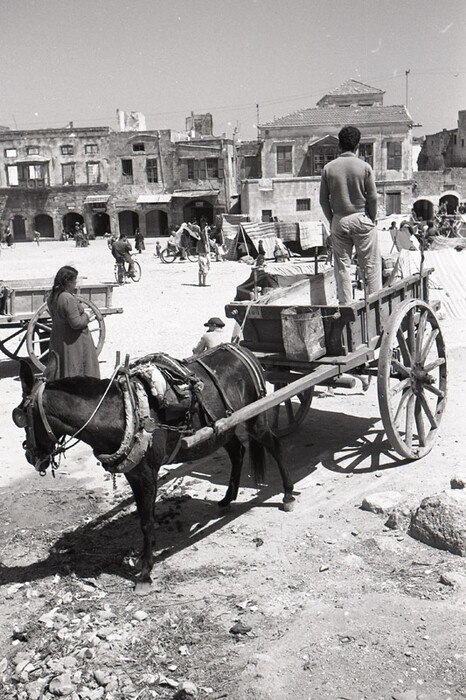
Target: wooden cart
393, 335
25, 323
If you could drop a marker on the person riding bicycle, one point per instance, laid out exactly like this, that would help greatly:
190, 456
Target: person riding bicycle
121, 251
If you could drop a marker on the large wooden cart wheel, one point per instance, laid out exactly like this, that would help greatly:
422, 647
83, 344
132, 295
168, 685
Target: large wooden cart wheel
13, 340
287, 416
40, 327
412, 378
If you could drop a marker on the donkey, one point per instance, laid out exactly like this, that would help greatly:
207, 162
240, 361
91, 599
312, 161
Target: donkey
51, 410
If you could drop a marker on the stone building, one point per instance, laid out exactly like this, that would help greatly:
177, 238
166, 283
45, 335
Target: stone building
114, 181
294, 149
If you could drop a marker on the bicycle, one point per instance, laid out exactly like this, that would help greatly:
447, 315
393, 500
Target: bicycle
122, 273
169, 254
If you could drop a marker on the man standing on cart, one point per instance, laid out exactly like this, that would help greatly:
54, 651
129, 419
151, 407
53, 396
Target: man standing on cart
348, 198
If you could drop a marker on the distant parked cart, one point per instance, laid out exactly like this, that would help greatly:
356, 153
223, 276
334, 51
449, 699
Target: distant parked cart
25, 324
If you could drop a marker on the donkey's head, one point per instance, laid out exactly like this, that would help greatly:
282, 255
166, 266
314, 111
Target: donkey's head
30, 415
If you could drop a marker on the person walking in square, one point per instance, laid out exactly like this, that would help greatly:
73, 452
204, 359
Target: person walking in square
348, 198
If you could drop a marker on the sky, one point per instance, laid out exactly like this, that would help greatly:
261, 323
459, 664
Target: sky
80, 60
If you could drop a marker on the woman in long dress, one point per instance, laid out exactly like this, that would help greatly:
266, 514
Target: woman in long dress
70, 337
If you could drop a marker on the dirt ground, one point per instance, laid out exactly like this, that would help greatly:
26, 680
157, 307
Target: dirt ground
255, 604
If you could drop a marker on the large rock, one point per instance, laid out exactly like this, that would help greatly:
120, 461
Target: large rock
440, 521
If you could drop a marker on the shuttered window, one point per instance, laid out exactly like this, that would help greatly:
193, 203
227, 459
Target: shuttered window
68, 173
284, 159
393, 155
93, 173
152, 170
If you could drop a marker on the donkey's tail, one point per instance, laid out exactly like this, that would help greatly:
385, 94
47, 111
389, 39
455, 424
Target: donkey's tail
257, 459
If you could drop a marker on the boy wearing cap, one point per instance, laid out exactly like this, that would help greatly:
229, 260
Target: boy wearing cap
214, 336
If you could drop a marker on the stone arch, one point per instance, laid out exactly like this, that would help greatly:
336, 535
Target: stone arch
451, 199
156, 223
424, 209
128, 222
70, 220
195, 210
44, 224
101, 224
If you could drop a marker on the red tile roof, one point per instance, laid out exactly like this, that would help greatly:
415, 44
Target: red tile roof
341, 116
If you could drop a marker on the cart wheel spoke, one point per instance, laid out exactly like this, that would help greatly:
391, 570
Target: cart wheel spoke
420, 423
425, 352
410, 420
434, 390
427, 411
13, 335
401, 406
433, 365
288, 416
401, 368
401, 386
420, 336
405, 353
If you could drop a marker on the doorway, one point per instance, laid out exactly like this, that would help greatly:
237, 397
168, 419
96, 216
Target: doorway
19, 228
195, 211
70, 220
128, 222
44, 224
424, 209
451, 200
156, 223
393, 203
101, 224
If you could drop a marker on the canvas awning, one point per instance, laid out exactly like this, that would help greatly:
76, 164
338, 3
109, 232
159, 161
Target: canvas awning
97, 199
154, 198
193, 194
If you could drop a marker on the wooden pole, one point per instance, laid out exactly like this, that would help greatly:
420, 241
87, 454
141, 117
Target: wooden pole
253, 409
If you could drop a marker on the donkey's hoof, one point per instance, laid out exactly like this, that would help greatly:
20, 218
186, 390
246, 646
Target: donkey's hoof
288, 506
224, 506
143, 587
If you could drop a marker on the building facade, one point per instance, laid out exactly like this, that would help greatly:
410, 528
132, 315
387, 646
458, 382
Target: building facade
295, 148
114, 181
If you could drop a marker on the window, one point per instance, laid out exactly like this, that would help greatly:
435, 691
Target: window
393, 155
139, 147
193, 171
284, 159
67, 173
266, 215
90, 148
152, 170
10, 153
67, 150
12, 175
32, 150
212, 167
366, 152
127, 171
252, 167
321, 155
462, 143
93, 173
303, 204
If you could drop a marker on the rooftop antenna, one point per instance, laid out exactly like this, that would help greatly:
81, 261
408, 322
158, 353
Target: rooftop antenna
257, 120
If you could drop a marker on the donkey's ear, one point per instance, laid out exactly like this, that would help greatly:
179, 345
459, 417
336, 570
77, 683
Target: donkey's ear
51, 372
26, 376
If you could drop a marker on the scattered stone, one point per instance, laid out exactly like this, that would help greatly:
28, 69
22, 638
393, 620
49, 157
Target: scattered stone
186, 690
446, 580
408, 695
34, 689
101, 677
457, 483
61, 685
163, 680
323, 567
440, 521
383, 502
140, 615
240, 628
